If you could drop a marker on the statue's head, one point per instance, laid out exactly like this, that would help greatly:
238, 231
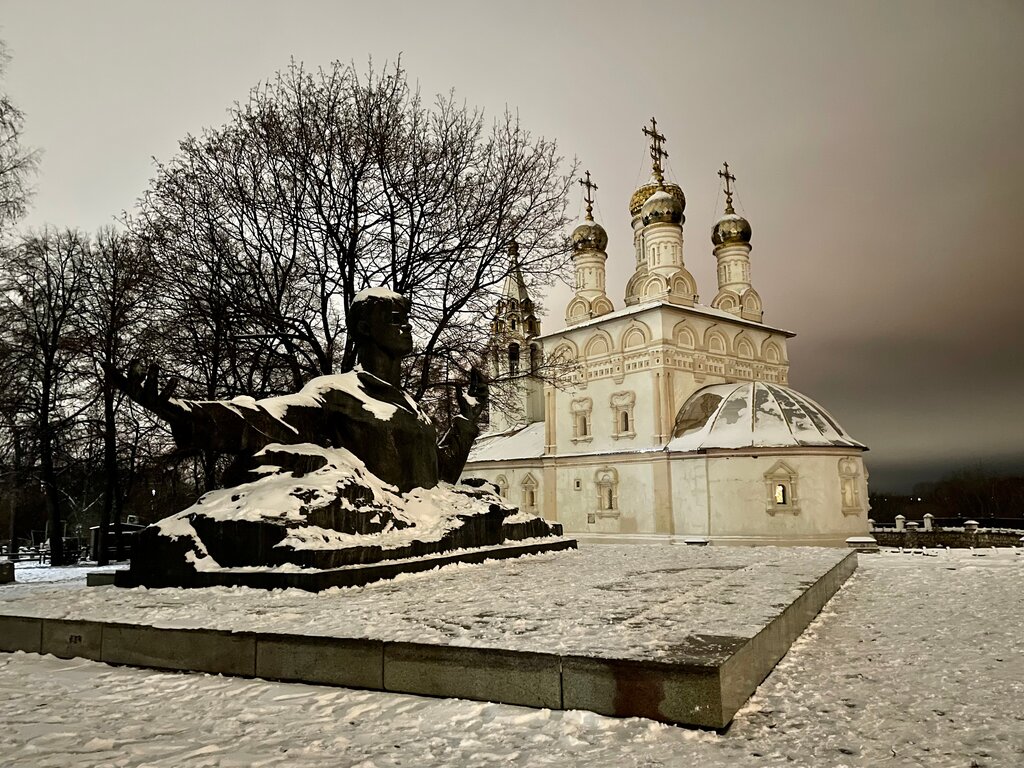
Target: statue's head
379, 317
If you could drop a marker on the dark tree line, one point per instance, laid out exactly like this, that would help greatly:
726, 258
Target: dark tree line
236, 270
968, 493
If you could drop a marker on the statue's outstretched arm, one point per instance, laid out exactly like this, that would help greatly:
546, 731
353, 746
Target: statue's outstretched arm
196, 425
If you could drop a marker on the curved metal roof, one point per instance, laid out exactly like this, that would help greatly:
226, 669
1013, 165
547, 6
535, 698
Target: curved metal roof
755, 414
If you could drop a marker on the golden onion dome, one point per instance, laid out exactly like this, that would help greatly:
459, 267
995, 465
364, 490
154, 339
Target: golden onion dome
642, 194
589, 236
731, 228
662, 207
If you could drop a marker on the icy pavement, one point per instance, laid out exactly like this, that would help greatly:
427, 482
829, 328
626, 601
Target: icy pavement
917, 661
615, 601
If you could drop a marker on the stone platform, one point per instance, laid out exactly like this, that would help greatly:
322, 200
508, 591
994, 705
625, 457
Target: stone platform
682, 635
313, 580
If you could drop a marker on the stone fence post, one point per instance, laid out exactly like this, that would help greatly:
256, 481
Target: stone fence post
928, 521
900, 521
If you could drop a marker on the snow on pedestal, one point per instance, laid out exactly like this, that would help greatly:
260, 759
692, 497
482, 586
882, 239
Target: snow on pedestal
320, 508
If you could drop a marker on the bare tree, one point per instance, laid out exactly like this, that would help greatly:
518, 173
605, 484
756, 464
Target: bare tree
118, 300
324, 183
17, 163
41, 294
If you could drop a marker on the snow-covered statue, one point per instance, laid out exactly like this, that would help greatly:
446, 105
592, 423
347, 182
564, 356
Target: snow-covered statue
348, 470
364, 411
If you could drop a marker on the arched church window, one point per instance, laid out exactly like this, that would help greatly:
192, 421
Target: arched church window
513, 323
581, 408
623, 424
781, 497
607, 481
529, 492
513, 359
781, 485
502, 482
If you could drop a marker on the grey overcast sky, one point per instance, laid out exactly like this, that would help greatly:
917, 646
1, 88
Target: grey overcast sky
879, 148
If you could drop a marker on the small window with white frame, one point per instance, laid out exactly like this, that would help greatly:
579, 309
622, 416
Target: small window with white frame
781, 487
581, 408
606, 481
623, 424
529, 493
502, 482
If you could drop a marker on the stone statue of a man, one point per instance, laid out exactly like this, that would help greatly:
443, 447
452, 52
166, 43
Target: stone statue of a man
364, 411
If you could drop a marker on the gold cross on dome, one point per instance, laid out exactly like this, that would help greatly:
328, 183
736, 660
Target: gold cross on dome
728, 190
588, 197
657, 152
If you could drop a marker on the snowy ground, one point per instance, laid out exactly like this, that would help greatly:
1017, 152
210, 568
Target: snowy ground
616, 601
918, 661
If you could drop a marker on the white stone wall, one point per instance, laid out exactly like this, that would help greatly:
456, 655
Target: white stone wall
725, 497
661, 355
740, 500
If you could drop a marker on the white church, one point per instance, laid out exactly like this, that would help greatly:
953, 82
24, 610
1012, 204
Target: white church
677, 421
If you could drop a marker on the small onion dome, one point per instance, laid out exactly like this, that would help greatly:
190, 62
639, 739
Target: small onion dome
731, 228
662, 207
589, 236
640, 196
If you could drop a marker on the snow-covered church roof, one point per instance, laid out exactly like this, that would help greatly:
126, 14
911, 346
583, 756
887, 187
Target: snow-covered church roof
521, 442
754, 415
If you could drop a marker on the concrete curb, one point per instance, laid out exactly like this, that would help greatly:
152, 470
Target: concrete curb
704, 686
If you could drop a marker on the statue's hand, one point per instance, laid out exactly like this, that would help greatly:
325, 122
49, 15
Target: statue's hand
142, 386
473, 402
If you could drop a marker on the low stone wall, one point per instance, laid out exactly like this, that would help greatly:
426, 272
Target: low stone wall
951, 539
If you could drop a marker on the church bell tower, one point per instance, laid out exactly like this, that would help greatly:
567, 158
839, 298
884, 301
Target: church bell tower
517, 391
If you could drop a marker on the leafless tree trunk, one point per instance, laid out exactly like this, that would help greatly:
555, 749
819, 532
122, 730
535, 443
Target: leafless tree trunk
118, 299
42, 291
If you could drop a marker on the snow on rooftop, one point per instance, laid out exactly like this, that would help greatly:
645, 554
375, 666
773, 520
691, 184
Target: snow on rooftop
522, 442
697, 309
755, 415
